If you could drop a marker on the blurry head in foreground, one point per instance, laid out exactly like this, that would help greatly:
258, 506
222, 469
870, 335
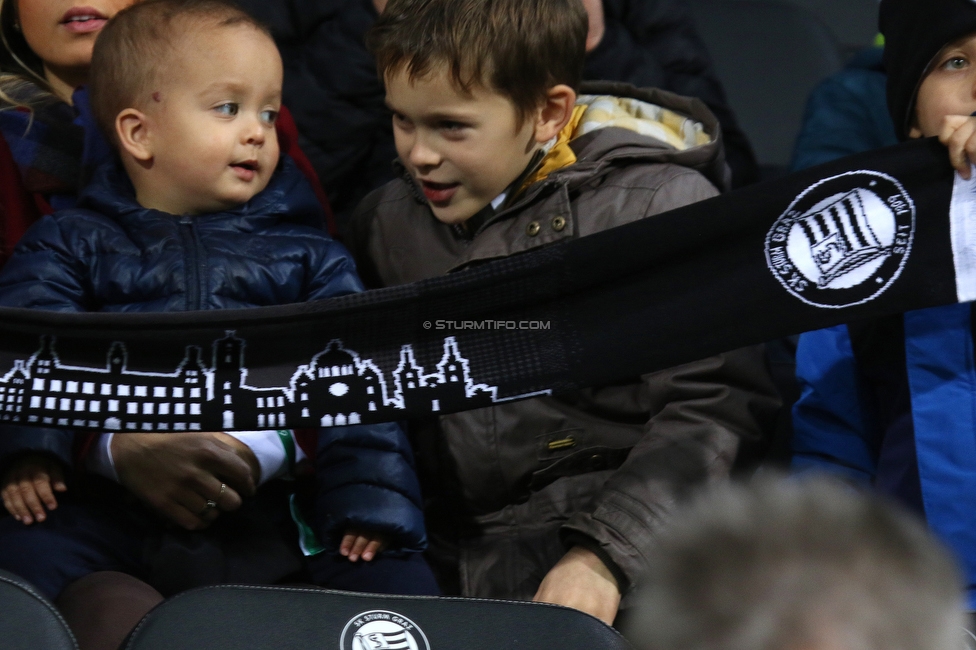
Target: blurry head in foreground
798, 564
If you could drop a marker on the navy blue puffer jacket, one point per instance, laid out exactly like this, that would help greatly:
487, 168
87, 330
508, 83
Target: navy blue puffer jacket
112, 255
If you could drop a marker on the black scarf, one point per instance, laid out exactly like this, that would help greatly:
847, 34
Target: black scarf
867, 236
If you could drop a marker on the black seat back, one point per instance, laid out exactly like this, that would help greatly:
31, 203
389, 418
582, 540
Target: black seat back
279, 618
28, 621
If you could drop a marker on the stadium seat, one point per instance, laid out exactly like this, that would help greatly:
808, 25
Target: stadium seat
28, 621
768, 55
283, 618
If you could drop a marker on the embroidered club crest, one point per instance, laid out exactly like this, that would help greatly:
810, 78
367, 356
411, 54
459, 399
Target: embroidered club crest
382, 630
844, 240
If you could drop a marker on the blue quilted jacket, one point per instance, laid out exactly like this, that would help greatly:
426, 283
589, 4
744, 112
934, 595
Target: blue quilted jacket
112, 255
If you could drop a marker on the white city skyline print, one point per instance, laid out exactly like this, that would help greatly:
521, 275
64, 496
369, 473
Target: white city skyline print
336, 388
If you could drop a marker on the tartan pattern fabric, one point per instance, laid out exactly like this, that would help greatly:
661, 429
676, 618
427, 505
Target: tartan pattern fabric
56, 147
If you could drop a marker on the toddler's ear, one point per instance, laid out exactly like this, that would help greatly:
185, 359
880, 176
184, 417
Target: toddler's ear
132, 131
555, 113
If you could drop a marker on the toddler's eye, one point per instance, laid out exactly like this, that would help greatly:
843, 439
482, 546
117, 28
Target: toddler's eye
269, 116
448, 125
230, 108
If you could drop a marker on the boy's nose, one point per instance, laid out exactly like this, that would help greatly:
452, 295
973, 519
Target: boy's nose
422, 156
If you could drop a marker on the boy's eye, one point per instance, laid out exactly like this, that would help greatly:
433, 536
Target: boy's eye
955, 63
448, 125
269, 116
229, 108
401, 121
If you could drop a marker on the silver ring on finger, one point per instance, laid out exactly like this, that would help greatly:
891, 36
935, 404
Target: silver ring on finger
211, 504
223, 488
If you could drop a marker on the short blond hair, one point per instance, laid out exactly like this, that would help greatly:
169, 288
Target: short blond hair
131, 49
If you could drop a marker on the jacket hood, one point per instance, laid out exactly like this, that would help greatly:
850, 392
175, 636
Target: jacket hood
679, 131
622, 122
287, 198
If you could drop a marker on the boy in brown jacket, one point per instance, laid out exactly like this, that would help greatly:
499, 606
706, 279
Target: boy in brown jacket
555, 498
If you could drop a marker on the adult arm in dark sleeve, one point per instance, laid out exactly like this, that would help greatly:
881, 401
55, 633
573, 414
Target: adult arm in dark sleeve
653, 43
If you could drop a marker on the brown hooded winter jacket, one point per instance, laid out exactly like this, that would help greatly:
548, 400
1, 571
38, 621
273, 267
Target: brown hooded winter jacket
510, 487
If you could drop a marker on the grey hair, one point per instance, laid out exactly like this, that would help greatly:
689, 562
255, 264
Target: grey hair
810, 562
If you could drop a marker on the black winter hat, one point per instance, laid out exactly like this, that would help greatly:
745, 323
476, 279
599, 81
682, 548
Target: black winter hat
915, 31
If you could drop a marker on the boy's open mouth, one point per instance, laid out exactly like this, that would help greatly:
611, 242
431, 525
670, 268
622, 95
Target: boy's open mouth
245, 169
83, 20
439, 192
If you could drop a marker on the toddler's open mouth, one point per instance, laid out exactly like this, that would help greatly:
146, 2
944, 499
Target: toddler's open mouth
246, 169
438, 192
83, 20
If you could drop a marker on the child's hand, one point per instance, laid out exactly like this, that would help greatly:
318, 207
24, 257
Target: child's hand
959, 135
29, 486
357, 545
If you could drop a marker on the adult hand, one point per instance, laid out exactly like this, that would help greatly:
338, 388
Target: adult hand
594, 9
582, 581
178, 473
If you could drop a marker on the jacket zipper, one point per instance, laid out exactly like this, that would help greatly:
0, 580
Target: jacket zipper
191, 247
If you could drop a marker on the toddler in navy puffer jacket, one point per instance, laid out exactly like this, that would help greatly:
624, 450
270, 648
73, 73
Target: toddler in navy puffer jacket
199, 212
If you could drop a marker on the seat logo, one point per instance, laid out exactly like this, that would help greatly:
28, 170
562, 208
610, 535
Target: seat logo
382, 630
844, 240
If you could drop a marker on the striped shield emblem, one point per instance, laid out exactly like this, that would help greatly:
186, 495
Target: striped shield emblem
841, 237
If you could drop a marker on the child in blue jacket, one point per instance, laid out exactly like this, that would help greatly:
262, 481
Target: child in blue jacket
199, 212
892, 402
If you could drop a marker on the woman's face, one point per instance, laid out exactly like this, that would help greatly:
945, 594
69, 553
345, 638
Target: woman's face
62, 32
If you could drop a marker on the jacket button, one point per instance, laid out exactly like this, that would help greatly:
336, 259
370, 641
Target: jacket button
533, 229
558, 223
